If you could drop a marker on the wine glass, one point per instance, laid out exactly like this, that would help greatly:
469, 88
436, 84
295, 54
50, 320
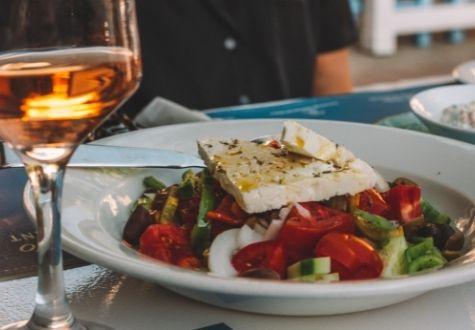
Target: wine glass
65, 66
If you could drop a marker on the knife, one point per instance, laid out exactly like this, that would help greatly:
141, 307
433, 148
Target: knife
92, 155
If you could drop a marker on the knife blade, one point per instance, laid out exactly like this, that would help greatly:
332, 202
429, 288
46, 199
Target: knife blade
93, 155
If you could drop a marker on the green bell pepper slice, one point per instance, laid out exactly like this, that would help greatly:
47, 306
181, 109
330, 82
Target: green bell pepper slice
153, 183
431, 214
201, 232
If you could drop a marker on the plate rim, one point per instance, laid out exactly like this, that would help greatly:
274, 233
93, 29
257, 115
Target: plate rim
460, 143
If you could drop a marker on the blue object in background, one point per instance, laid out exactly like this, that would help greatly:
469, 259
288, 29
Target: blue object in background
356, 7
423, 39
456, 36
365, 107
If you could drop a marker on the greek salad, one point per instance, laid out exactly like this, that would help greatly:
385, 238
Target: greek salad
299, 208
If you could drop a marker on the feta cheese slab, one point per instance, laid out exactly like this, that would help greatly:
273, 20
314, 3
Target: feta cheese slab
262, 178
302, 140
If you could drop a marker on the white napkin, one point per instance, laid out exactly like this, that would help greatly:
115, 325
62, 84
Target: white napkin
161, 112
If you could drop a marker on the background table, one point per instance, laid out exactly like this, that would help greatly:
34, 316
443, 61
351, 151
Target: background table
101, 295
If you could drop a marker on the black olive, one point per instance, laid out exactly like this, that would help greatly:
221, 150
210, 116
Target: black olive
451, 255
455, 242
412, 228
431, 230
262, 273
138, 221
447, 231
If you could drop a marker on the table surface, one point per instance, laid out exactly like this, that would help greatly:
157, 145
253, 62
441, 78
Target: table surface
104, 296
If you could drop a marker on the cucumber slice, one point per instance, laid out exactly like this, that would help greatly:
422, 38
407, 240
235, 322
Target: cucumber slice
424, 256
326, 278
332, 277
393, 254
313, 266
420, 249
425, 263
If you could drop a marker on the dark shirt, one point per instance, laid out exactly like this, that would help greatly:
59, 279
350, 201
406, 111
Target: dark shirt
212, 53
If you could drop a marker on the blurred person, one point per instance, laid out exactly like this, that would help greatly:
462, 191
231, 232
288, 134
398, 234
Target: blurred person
213, 53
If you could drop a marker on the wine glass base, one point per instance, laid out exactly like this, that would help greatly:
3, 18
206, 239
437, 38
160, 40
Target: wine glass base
78, 325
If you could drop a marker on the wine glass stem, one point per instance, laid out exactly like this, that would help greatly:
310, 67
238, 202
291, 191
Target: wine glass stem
51, 308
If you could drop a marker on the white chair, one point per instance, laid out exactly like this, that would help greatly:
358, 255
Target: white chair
383, 21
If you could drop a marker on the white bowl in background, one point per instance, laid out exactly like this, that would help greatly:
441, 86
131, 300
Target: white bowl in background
465, 72
429, 105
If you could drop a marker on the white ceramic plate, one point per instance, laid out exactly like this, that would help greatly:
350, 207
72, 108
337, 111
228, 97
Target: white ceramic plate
96, 204
465, 72
429, 105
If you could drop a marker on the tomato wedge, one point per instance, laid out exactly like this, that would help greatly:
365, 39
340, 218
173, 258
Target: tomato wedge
261, 255
404, 202
351, 257
168, 243
300, 234
226, 216
229, 209
222, 217
274, 144
190, 262
371, 201
225, 204
316, 210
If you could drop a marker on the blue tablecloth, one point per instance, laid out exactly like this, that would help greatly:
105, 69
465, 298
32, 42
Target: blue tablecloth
390, 108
